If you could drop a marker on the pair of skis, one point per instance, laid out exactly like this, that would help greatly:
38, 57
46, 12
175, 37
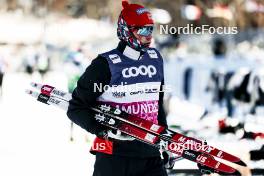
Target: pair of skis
146, 131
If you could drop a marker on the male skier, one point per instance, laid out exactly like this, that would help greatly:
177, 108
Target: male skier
131, 64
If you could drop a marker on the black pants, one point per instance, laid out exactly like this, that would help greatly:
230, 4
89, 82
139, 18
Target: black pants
111, 165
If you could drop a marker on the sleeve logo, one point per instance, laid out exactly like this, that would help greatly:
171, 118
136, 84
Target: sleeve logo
115, 58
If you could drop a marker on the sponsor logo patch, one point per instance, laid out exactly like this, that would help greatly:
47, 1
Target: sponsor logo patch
141, 11
151, 90
143, 70
136, 92
118, 94
152, 54
115, 58
192, 155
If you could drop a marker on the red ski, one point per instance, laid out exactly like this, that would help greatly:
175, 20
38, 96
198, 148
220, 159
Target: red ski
150, 133
164, 132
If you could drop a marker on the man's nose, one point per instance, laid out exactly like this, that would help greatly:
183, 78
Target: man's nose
149, 37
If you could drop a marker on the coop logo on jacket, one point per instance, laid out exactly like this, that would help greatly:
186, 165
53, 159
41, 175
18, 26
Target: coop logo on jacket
143, 70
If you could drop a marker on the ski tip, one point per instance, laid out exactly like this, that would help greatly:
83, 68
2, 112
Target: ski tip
241, 163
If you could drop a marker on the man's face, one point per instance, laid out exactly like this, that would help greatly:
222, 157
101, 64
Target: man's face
144, 34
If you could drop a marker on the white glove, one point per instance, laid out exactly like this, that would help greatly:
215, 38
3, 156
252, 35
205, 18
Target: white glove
116, 134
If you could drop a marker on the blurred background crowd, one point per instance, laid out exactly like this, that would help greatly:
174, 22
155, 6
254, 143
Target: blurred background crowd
217, 80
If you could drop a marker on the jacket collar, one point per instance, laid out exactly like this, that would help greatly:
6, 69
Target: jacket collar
128, 51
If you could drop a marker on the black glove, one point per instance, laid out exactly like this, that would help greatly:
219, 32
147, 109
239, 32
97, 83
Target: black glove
169, 160
204, 169
114, 134
102, 134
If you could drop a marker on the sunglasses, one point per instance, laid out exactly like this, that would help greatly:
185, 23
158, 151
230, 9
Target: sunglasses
144, 30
